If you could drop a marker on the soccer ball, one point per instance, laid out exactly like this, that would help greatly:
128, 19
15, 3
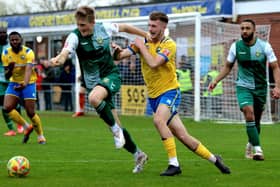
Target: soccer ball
18, 166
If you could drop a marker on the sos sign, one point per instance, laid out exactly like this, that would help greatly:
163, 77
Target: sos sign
133, 99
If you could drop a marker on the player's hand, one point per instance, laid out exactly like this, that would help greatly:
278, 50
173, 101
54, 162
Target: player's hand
138, 43
211, 86
275, 93
46, 63
116, 50
19, 87
53, 62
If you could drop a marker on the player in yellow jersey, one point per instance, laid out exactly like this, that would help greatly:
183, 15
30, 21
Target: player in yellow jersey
159, 72
18, 61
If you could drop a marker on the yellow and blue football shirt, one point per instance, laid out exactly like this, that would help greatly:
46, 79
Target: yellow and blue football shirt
23, 58
163, 78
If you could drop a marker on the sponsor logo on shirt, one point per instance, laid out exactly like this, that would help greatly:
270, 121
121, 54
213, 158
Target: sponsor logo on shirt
99, 40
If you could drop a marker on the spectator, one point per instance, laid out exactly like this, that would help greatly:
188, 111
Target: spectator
213, 100
185, 78
67, 78
40, 94
48, 78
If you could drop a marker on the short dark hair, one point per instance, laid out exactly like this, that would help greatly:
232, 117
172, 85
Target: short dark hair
159, 16
250, 21
15, 33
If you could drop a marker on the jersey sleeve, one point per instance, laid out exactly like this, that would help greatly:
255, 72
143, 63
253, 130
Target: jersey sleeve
133, 49
111, 28
269, 53
168, 50
30, 57
232, 53
71, 43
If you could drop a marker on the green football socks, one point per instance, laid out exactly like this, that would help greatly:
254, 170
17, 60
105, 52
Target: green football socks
252, 133
105, 113
129, 145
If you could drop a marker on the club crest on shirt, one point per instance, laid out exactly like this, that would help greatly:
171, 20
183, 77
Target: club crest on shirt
105, 80
99, 40
258, 54
22, 57
158, 49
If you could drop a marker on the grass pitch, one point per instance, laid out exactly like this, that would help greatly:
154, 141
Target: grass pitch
80, 152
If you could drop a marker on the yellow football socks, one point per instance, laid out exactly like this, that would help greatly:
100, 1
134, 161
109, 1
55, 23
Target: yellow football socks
37, 125
170, 147
202, 151
15, 116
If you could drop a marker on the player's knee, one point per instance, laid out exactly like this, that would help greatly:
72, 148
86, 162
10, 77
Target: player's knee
158, 120
94, 100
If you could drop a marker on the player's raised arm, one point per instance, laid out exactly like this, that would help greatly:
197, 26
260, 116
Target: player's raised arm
119, 53
60, 58
152, 61
132, 30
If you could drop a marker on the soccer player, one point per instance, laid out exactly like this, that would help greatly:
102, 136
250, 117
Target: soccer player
18, 61
92, 43
252, 55
4, 84
159, 72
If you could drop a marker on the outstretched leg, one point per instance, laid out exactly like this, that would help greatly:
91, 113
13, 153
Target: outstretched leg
179, 130
139, 156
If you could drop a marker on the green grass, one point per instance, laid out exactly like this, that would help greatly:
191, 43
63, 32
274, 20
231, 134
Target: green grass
80, 152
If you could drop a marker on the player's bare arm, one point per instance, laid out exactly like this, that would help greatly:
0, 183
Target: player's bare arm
132, 30
224, 72
276, 72
9, 70
153, 62
60, 58
119, 53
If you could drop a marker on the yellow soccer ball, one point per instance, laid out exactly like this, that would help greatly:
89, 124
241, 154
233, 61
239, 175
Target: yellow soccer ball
18, 166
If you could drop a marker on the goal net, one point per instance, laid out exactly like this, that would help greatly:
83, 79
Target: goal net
202, 47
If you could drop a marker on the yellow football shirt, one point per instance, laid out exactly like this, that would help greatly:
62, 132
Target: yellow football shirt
163, 78
22, 58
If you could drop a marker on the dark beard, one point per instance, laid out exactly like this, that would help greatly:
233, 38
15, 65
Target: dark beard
16, 49
248, 39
